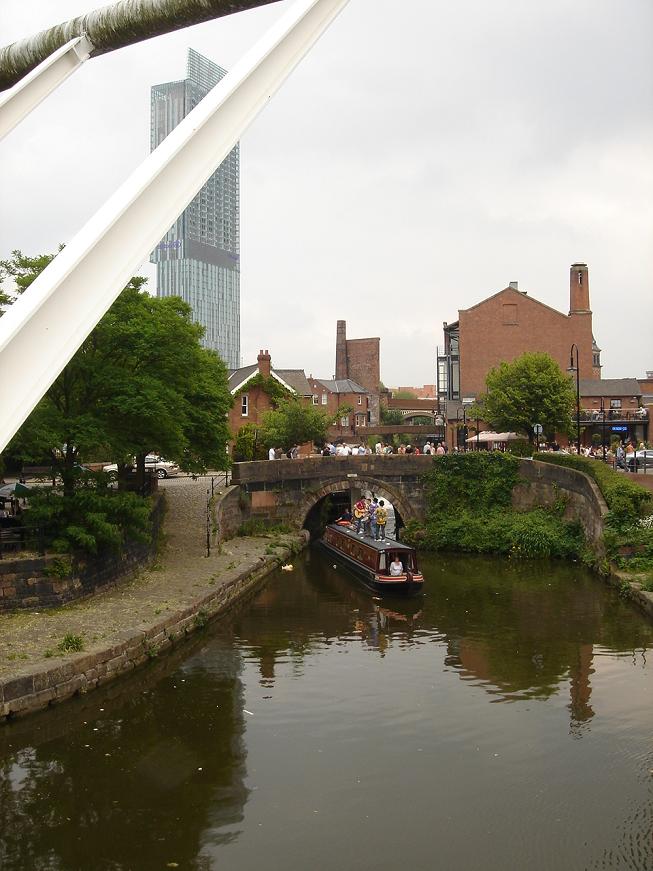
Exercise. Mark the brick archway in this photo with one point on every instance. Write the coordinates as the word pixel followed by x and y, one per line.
pixel 379 488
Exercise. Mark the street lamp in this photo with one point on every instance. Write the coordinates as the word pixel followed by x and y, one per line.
pixel 602 410
pixel 464 411
pixel 576 369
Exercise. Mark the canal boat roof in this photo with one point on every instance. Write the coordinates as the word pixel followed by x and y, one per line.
pixel 388 544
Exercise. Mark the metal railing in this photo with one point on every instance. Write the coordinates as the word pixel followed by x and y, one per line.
pixel 17 539
pixel 613 414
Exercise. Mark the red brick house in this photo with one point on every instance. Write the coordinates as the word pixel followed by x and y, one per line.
pixel 253 397
pixel 346 394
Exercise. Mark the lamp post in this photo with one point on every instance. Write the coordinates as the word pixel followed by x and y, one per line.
pixel 576 369
pixel 602 410
pixel 464 411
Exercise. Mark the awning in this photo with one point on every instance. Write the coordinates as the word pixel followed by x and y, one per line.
pixel 488 437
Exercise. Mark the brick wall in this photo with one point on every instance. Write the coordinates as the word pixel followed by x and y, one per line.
pixel 510 324
pixel 35 582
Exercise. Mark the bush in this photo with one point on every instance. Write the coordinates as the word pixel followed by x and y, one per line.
pixel 470 510
pixel 520 448
pixel 482 479
pixel 627 501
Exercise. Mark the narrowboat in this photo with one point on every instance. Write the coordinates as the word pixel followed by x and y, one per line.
pixel 371 559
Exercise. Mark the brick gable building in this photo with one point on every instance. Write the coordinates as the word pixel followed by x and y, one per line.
pixel 510 323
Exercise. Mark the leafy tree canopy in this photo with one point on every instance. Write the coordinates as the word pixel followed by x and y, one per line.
pixel 293 423
pixel 403 394
pixel 529 390
pixel 140 382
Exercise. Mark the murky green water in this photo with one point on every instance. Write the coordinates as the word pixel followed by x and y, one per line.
pixel 505 721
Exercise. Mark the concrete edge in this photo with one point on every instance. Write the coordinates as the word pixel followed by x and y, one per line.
pixel 31 690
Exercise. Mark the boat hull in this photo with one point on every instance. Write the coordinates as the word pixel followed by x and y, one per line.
pixel 378 583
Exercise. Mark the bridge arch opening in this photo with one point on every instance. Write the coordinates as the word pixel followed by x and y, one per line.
pixel 329 502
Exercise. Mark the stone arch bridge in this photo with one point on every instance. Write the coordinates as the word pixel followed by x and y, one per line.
pixel 286 491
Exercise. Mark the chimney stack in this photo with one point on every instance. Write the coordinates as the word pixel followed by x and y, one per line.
pixel 579 288
pixel 514 285
pixel 264 363
pixel 341 351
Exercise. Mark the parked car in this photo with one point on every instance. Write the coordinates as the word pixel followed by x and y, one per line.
pixel 640 460
pixel 153 462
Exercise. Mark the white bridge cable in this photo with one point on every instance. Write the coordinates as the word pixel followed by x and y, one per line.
pixel 43 328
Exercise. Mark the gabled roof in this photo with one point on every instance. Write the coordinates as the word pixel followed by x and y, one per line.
pixel 240 376
pixel 344 385
pixel 520 294
pixel 610 387
pixel 296 378
pixel 292 379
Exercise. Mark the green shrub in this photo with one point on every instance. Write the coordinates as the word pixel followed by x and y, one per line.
pixel 520 448
pixel 483 479
pixel 626 500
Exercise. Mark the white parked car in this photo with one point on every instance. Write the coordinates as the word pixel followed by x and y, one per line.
pixel 163 468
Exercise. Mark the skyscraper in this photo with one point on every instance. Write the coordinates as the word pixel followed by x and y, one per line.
pixel 199 257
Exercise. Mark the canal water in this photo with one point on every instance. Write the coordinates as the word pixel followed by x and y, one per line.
pixel 503 721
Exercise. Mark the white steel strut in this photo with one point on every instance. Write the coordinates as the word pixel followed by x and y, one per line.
pixel 44 327
pixel 18 102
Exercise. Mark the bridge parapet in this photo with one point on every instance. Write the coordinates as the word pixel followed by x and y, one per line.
pixel 286 490
pixel 317 467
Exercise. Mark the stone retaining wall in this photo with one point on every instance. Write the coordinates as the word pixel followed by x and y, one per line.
pixel 24 693
pixel 543 484
pixel 45 582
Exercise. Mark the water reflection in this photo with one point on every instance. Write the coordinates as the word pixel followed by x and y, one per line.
pixel 140 784
pixel 492 677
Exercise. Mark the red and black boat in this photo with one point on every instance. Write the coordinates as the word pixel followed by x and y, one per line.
pixel 371 560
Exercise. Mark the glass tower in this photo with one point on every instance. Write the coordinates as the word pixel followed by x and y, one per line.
pixel 199 257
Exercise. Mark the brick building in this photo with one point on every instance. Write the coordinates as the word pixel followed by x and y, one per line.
pixel 508 324
pixel 346 394
pixel 252 399
pixel 426 391
pixel 359 360
pixel 646 388
pixel 613 408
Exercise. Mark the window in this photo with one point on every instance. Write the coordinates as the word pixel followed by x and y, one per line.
pixel 360 419
pixel 244 405
pixel 360 399
pixel 344 420
pixel 324 399
pixel 316 401
pixel 615 403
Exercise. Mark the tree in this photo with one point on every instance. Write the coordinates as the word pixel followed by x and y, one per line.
pixel 140 382
pixel 403 394
pixel 531 389
pixel 293 423
pixel 391 416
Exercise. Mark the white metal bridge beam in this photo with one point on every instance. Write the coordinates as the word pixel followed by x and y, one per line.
pixel 44 327
pixel 19 101
pixel 115 26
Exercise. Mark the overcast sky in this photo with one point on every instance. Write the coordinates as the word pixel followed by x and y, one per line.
pixel 415 163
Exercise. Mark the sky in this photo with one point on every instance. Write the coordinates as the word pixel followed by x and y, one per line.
pixel 421 157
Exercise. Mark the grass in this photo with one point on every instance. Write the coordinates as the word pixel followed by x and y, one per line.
pixel 71 643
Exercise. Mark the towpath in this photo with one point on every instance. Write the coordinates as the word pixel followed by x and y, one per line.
pixel 180 584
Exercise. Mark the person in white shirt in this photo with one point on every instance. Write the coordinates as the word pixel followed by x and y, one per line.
pixel 396 567
pixel 272 454
pixel 378 448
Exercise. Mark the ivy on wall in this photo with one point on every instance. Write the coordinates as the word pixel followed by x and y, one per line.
pixel 276 391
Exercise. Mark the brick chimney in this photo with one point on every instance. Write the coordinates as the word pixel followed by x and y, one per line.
pixel 579 288
pixel 264 363
pixel 341 351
